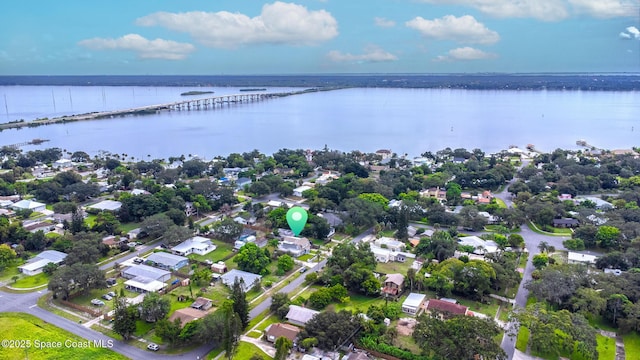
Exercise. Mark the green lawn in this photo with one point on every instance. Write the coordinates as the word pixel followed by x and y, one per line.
pixel 268 321
pixel 27 282
pixel 222 250
pixel 11 271
pixel 489 309
pixel 247 350
pixel 599 322
pixel 606 348
pixel 142 327
pixel 306 257
pixel 19 326
pixel 523 339
pixel 631 344
pixel 126 227
pixel 393 267
pixel 501 203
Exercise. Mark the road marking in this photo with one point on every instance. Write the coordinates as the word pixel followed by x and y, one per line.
pixel 40 292
pixel 32 306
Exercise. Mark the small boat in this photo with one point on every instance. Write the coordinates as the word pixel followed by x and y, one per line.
pixel 254 89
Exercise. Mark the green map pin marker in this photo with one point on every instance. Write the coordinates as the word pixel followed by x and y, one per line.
pixel 297 218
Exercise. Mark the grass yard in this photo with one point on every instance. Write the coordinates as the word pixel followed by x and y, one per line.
pixel 27 282
pixel 489 309
pixel 268 321
pixel 606 347
pixel 11 271
pixel 142 327
pixel 126 227
pixel 19 326
pixel 501 203
pixel 599 322
pixel 247 350
pixel 631 344
pixel 306 257
pixel 393 267
pixel 523 339
pixel 222 250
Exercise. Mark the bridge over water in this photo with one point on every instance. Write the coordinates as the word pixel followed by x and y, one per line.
pixel 210 103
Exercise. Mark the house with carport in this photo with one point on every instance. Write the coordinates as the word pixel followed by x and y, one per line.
pixel 196 245
pixel 167 261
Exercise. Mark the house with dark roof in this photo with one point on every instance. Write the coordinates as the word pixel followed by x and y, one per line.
pixel 566 223
pixel 202 304
pixel 446 309
pixel 274 331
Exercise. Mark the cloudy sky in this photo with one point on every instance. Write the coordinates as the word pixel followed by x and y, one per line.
pixel 43 37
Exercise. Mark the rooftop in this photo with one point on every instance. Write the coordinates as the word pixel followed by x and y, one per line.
pixel 166 258
pixel 414 300
pixel 300 314
pixel 106 205
pixel 145 271
pixel 446 306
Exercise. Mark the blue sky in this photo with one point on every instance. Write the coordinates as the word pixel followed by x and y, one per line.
pixel 163 37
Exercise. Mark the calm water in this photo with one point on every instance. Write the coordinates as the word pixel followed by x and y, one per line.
pixel 404 120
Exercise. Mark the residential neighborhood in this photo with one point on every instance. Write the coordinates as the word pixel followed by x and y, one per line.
pixel 392 249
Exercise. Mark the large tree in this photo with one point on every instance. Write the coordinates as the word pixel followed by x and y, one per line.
pixel 460 337
pixel 331 329
pixel 240 303
pixel 227 230
pixel 124 317
pixel 253 259
pixel 154 307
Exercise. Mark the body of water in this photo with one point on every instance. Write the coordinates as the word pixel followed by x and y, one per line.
pixel 404 120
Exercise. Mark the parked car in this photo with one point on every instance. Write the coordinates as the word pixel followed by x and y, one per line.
pixel 107 297
pixel 97 302
pixel 208 262
pixel 112 293
pixel 153 347
pixel 138 261
pixel 303 269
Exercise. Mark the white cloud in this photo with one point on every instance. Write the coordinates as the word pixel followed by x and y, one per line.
pixel 465 53
pixel 464 29
pixel 606 8
pixel 371 54
pixel 382 22
pixel 631 32
pixel 547 10
pixel 278 23
pixel 144 48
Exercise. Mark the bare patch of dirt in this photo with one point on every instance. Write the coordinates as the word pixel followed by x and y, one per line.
pixel 405 326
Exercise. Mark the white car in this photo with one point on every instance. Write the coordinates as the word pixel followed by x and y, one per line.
pixel 153 347
pixel 97 302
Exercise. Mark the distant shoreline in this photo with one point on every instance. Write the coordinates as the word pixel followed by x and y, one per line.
pixel 564 82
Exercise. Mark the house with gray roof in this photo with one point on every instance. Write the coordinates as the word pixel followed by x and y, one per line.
pixel 295 246
pixel 147 272
pixel 167 261
pixel 248 279
pixel 299 315
pixel 34 266
pixel 109 205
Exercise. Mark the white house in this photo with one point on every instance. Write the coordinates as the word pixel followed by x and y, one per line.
pixel 296 246
pixel 249 280
pixel 195 245
pixel 414 304
pixel 389 243
pixel 109 205
pixel 578 258
pixel 300 189
pixel 481 246
pixel 35 265
pixel 62 164
pixel 28 205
